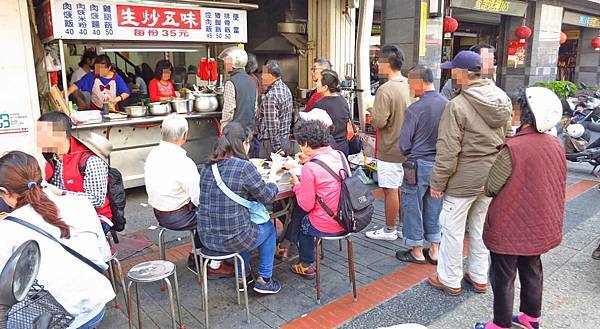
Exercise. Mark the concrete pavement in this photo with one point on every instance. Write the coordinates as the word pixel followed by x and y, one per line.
pixel 390 292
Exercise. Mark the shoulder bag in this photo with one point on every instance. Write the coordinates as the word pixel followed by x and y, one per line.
pixel 49 236
pixel 258 211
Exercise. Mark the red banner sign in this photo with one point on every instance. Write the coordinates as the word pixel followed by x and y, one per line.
pixel 157 17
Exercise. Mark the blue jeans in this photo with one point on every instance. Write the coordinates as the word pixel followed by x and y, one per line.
pixel 421 212
pixel 93 323
pixel 105 228
pixel 265 245
pixel 307 240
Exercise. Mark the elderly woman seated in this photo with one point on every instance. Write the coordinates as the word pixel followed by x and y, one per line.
pixel 316 187
pixel 224 225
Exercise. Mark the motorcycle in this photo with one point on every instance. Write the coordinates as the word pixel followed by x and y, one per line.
pixel 578 148
pixel 584 108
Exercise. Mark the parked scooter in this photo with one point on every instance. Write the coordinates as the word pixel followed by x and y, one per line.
pixel 578 148
pixel 584 108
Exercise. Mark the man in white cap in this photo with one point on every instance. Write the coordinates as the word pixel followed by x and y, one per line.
pixel 239 96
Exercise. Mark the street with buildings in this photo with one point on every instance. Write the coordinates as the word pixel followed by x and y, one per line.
pixel 152 151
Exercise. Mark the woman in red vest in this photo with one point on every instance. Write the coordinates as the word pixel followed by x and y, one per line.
pixel 525 218
pixel 71 167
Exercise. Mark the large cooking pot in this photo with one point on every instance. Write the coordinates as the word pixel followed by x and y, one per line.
pixel 159 108
pixel 179 105
pixel 136 111
pixel 205 102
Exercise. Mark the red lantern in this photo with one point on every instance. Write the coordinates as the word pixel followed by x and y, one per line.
pixel 450 24
pixel 563 37
pixel 523 32
pixel 596 43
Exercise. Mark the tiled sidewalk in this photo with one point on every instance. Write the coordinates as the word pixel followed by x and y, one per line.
pixel 380 277
pixel 374 260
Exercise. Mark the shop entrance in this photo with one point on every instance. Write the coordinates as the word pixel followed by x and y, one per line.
pixel 567 54
pixel 474 27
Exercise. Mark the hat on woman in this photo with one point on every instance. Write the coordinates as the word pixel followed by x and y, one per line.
pixel 99 145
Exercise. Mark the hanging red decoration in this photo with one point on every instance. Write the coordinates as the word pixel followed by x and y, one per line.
pixel 450 24
pixel 523 32
pixel 563 37
pixel 596 43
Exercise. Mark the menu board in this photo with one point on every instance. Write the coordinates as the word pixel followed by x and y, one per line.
pixel 104 20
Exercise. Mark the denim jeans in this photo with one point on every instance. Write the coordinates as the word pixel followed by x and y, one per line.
pixel 94 322
pixel 421 211
pixel 307 240
pixel 265 245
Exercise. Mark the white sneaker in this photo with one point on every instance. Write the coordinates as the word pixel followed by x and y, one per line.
pixel 399 234
pixel 380 234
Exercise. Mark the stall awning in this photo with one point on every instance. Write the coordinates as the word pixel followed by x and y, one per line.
pixel 163 21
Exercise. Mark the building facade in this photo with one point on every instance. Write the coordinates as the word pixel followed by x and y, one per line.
pixel 520 62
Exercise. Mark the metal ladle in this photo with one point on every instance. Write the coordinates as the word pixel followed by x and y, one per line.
pixel 17 277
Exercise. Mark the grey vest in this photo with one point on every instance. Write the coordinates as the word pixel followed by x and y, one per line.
pixel 245 98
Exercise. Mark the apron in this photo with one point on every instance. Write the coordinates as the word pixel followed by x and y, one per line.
pixel 103 93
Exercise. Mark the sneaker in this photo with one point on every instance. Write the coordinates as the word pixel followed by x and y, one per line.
pixel 380 234
pixel 263 287
pixel 308 273
pixel 526 322
pixel 249 281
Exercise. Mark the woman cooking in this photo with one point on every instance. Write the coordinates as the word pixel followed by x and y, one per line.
pixel 161 87
pixel 104 85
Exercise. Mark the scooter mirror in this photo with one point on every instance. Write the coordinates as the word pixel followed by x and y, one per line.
pixel 19 274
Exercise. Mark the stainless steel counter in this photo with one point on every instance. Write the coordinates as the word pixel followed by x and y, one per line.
pixel 144 120
pixel 134 138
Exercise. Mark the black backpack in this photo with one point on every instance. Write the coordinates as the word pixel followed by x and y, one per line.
pixel 115 192
pixel 355 208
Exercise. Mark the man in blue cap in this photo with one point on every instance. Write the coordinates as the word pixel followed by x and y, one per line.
pixel 474 123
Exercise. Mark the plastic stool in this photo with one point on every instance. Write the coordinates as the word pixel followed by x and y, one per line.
pixel 207 255
pixel 153 271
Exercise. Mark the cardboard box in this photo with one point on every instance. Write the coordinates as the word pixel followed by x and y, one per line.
pixel 58 100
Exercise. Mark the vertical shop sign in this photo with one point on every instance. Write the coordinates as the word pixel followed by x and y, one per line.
pixel 423 30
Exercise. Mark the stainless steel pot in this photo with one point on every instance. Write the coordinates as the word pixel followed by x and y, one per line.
pixel 159 108
pixel 179 106
pixel 136 111
pixel 205 102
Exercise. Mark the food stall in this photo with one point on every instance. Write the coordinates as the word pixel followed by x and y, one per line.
pixel 168 28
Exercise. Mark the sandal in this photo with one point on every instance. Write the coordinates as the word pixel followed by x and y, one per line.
pixel 428 257
pixel 282 253
pixel 308 273
pixel 407 256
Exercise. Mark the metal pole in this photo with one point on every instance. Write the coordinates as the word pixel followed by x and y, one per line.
pixel 363 68
pixel 63 69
